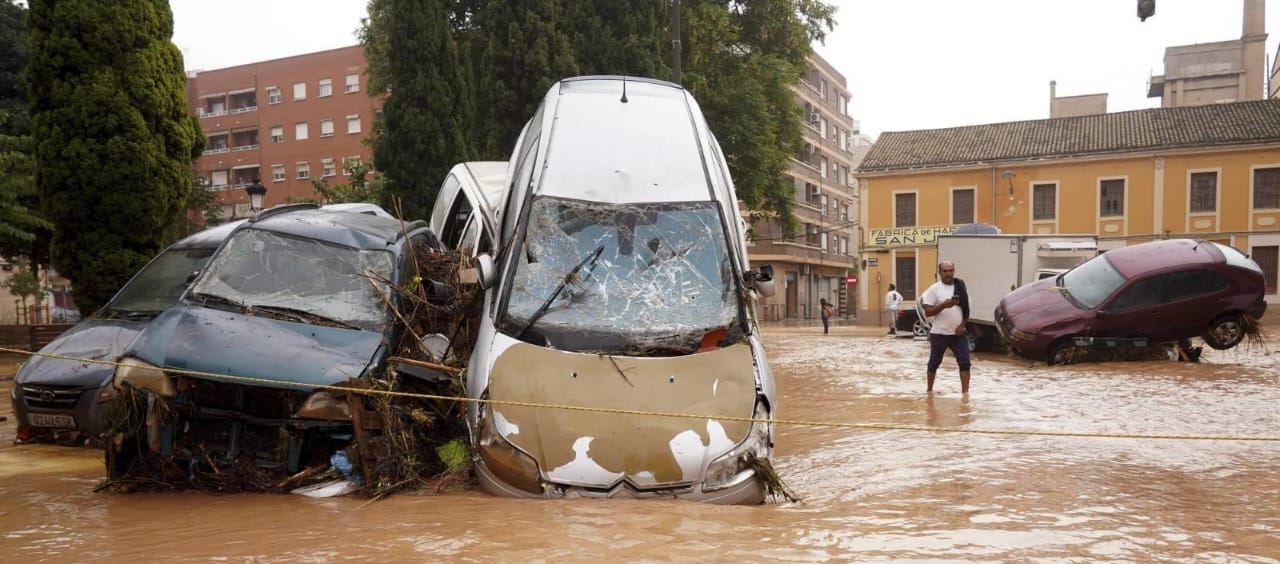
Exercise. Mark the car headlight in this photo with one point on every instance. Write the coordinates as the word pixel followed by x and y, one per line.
pixel 504 460
pixel 734 467
pixel 143 375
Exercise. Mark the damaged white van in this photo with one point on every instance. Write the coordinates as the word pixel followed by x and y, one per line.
pixel 619 283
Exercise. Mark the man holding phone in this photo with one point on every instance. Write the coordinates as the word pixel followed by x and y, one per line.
pixel 947 303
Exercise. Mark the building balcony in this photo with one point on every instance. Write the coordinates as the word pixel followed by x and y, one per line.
pixel 203 113
pixel 252 147
pixel 217 150
pixel 244 109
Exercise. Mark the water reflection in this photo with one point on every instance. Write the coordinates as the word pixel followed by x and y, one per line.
pixel 868 495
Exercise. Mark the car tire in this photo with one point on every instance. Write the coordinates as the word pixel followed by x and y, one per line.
pixel 1061 352
pixel 919 329
pixel 1224 332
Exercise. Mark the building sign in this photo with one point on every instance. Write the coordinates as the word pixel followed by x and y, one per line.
pixel 905 236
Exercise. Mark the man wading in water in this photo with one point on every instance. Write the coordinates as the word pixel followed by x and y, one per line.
pixel 940 303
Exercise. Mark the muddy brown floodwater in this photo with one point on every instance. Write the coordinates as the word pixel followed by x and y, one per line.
pixel 868 495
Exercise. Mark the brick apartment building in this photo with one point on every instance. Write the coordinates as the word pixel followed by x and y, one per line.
pixel 284 121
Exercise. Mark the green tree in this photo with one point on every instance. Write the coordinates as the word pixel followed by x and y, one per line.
pixel 741 60
pixel 426 117
pixel 359 189
pixel 620 38
pixel 113 139
pixel 25 284
pixel 526 51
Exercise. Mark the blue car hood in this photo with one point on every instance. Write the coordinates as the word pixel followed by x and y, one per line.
pixel 93 338
pixel 282 352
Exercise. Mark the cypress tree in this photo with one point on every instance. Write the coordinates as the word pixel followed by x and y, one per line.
pixel 425 120
pixel 113 139
pixel 620 38
pixel 526 50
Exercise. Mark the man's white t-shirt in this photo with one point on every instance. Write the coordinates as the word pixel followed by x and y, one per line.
pixel 893 299
pixel 947 320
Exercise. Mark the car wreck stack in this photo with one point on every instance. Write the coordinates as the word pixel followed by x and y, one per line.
pixel 403 429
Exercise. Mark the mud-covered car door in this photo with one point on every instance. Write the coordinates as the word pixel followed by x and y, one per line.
pixel 1137 310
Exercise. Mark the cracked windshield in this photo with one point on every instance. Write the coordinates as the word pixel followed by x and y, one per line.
pixel 647 280
pixel 657 274
pixel 278 273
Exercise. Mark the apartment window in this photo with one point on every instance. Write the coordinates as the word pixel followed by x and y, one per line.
pixel 1266 188
pixel 273 95
pixel 1044 202
pixel 962 206
pixel 300 131
pixel 327 168
pixel 277 173
pixel 353 83
pixel 304 170
pixel 822 166
pixel 326 87
pixel 218 178
pixel 299 91
pixel 904 210
pixel 1111 203
pixel 1267 258
pixel 277 134
pixel 348 163
pixel 1204 192
pixel 904 270
pixel 353 124
pixel 326 128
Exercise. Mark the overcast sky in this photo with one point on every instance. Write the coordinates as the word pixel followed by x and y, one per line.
pixel 910 64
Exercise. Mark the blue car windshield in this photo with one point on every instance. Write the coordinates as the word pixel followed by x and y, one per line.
pixel 646 270
pixel 159 284
pixel 260 268
pixel 1092 282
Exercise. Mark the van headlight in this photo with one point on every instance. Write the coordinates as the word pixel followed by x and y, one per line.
pixel 504 460
pixel 145 375
pixel 734 467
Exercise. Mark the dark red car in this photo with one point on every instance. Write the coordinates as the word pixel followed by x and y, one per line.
pixel 1147 294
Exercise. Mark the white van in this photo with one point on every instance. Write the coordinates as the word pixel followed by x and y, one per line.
pixel 618 283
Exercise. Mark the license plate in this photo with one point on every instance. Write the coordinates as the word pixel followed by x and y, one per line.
pixel 51 420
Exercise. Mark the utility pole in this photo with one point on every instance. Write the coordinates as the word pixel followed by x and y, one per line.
pixel 675 41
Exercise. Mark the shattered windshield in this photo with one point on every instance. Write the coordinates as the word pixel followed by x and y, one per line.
pixel 1090 283
pixel 648 276
pixel 312 280
pixel 159 284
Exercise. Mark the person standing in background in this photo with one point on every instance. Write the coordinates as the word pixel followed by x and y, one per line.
pixel 827 310
pixel 893 300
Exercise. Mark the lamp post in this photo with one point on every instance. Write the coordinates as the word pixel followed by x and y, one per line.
pixel 257 192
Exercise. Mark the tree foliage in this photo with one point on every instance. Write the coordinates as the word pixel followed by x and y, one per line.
pixel 742 60
pixel 113 137
pixel 526 50
pixel 359 189
pixel 620 38
pixel 424 124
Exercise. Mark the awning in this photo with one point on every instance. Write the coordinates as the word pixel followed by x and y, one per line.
pixel 244 129
pixel 216 133
pixel 242 167
pixel 241 91
pixel 1083 249
pixel 214 95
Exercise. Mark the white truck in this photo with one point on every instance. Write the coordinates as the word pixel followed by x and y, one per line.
pixel 993 265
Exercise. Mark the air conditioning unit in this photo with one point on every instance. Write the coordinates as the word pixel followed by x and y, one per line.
pixel 813 117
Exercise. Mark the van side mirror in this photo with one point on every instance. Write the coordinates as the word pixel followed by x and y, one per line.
pixel 762 281
pixel 487 270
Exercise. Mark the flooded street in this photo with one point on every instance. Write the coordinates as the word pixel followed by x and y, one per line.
pixel 868 494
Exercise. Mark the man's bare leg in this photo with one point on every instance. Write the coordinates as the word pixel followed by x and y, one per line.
pixel 964 382
pixel 929 388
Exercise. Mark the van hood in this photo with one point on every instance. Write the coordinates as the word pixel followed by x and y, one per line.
pixel 601 449
pixel 95 339
pixel 197 338
pixel 1038 305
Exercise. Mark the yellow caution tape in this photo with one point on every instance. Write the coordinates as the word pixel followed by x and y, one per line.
pixel 795 422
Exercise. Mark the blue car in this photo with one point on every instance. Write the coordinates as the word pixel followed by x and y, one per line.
pixel 56 399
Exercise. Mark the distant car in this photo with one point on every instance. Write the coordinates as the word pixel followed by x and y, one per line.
pixel 297 298
pixel 53 397
pixel 1159 292
pixel 910 322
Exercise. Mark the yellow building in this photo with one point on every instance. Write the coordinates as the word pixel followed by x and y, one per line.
pixel 1209 172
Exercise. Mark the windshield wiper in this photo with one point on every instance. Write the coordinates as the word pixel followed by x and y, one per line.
pixel 592 257
pixel 215 300
pixel 302 316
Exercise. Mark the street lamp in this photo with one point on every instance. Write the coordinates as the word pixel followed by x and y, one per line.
pixel 256 192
